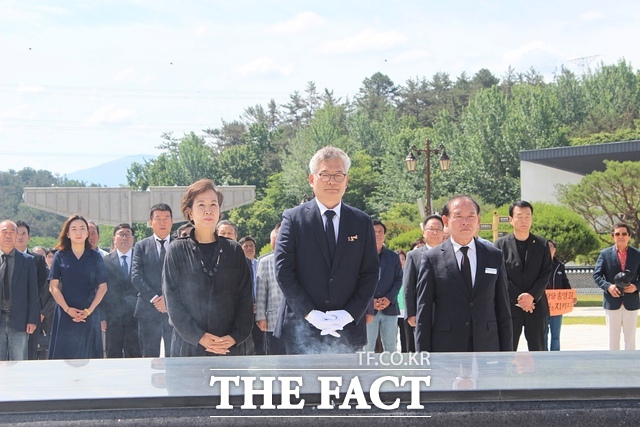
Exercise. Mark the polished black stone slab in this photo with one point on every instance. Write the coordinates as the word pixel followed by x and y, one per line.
pixel 482 383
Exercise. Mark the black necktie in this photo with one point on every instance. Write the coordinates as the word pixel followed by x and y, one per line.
pixel 465 267
pixel 331 233
pixel 4 279
pixel 125 267
pixel 163 251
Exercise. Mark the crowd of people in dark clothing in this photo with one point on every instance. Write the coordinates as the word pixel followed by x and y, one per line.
pixel 328 285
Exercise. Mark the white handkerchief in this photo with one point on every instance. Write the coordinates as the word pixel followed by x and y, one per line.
pixel 491 270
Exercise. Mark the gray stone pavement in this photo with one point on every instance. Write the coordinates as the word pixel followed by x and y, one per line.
pixel 583 337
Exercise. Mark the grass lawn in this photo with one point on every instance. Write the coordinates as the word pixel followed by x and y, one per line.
pixel 592 320
pixel 589 301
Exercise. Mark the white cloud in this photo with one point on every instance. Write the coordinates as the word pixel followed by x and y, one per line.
pixel 19 112
pixel 201 30
pixel 365 41
pixel 124 75
pixel 264 66
pixel 412 55
pixel 534 47
pixel 30 89
pixel 301 22
pixel 110 114
pixel 591 16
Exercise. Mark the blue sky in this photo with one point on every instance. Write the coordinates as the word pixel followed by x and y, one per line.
pixel 86 82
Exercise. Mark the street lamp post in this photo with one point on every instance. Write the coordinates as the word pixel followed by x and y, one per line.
pixel 412 162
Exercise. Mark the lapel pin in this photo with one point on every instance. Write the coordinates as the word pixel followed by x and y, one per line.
pixel 352 238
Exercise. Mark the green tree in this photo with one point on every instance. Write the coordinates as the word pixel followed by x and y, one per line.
pixel 612 93
pixel 377 94
pixel 183 163
pixel 12 184
pixel 571 233
pixel 604 198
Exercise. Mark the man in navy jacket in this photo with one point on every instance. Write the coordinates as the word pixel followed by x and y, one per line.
pixel 382 315
pixel 326 265
pixel 620 305
pixel 19 312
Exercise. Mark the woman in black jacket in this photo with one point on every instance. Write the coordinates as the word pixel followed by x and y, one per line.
pixel 206 282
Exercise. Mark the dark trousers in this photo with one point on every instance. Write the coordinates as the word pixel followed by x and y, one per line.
pixel 258 339
pixel 122 337
pixel 407 337
pixel 32 345
pixel 151 329
pixel 534 330
pixel 274 346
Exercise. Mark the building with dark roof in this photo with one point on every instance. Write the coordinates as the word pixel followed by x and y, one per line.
pixel 542 170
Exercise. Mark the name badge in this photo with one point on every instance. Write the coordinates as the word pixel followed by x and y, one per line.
pixel 491 270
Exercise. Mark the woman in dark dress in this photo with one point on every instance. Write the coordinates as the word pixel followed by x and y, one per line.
pixel 206 282
pixel 78 282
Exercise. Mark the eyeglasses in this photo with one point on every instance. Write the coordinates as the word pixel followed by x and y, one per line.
pixel 623 234
pixel 433 230
pixel 337 177
pixel 124 235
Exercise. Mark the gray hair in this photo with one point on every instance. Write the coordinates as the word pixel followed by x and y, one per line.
pixel 327 153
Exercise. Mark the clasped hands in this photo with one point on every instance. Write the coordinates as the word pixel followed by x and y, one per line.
pixel 78 315
pixel 526 302
pixel 329 322
pixel 215 344
pixel 381 303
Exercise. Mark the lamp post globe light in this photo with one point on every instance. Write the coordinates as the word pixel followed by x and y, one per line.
pixel 411 162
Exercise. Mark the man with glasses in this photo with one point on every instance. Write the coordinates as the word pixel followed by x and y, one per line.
pixel 432 232
pixel 326 265
pixel 120 301
pixel 621 302
pixel 462 292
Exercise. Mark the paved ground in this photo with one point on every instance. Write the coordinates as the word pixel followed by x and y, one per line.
pixel 583 337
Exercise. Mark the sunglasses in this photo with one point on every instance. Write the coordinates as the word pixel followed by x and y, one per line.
pixel 623 234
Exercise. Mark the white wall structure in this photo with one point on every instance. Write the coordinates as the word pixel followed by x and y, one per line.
pixel 538 182
pixel 113 206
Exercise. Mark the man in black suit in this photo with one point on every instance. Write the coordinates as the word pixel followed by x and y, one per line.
pixel 146 276
pixel 22 242
pixel 528 262
pixel 462 293
pixel 326 265
pixel 120 301
pixel 432 233
pixel 620 305
pixel 19 313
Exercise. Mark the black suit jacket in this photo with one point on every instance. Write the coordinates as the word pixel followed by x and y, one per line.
pixel 120 299
pixel 308 279
pixel 533 278
pixel 146 276
pixel 607 266
pixel 24 292
pixel 42 273
pixel 449 313
pixel 410 279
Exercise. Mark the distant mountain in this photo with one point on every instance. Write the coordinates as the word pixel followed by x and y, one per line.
pixel 111 174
